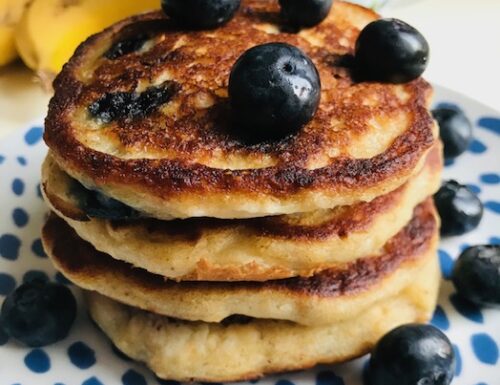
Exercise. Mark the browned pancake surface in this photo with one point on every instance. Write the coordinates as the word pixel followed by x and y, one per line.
pixel 186 146
pixel 80 258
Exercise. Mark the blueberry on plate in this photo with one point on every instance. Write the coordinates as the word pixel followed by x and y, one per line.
pixel 412 354
pixel 274 90
pixel 38 313
pixel 459 208
pixel 305 13
pixel 389 50
pixel 200 14
pixel 455 131
pixel 476 275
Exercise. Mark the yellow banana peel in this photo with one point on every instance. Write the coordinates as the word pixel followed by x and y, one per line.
pixel 10 13
pixel 50 30
pixel 7 45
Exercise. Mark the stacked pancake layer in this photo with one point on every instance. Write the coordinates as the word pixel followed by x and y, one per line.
pixel 234 261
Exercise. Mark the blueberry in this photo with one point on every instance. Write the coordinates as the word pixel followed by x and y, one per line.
pixel 455 131
pixel 412 354
pixel 459 208
pixel 389 50
pixel 126 46
pixel 200 14
pixel 476 275
pixel 38 313
pixel 274 90
pixel 305 13
pixel 98 205
pixel 110 106
pixel 131 105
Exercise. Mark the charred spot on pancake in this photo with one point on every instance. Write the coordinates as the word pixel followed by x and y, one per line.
pixel 97 205
pixel 132 105
pixel 126 46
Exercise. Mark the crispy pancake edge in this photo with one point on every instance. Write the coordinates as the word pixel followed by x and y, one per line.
pixel 172 184
pixel 182 238
pixel 143 335
pixel 313 300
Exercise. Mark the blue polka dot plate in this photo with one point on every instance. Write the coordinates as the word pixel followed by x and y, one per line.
pixel 86 357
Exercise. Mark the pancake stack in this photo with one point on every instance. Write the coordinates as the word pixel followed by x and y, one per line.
pixel 214 260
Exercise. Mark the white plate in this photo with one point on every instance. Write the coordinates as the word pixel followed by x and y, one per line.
pixel 87 357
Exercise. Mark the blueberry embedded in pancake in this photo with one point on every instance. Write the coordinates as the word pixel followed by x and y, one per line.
pixel 231 250
pixel 180 160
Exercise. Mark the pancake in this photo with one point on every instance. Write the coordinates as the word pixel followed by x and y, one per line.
pixel 198 351
pixel 177 156
pixel 329 296
pixel 248 249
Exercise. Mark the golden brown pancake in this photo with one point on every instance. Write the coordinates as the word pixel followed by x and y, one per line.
pixel 183 159
pixel 246 249
pixel 329 296
pixel 199 351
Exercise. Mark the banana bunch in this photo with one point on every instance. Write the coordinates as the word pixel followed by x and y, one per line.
pixel 45 33
pixel 10 13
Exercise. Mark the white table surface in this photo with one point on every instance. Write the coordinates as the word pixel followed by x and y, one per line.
pixel 464 36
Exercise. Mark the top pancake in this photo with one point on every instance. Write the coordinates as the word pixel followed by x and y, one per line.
pixel 181 160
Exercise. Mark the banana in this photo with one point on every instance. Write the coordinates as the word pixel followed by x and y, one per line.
pixel 7 45
pixel 50 30
pixel 10 13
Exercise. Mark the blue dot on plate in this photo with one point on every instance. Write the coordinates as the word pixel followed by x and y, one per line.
pixel 22 160
pixel 4 338
pixel 466 309
pixel 81 355
pixel 495 240
pixel 7 283
pixel 33 135
pixel 18 186
pixel 37 361
pixel 493 206
pixel 474 188
pixel 446 263
pixel 92 381
pixel 20 217
pixel 131 377
pixel 328 378
pixel 477 147
pixel 485 348
pixel 490 178
pixel 458 360
pixel 491 124
pixel 9 246
pixel 35 274
pixel 37 248
pixel 440 319
pixel 2 159
pixel 449 162
pixel 464 246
